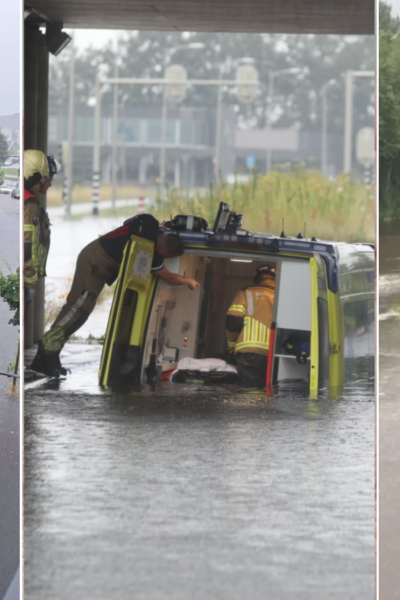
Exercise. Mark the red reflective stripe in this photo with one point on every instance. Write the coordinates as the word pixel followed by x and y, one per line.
pixel 117 232
pixel 27 195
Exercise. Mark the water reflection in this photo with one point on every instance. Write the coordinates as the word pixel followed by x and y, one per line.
pixel 188 491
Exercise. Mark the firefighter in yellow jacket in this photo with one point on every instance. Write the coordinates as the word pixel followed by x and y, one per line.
pixel 39 170
pixel 248 324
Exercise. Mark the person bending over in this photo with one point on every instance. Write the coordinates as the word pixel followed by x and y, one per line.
pixel 98 264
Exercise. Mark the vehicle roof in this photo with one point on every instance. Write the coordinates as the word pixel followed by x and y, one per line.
pixel 331 252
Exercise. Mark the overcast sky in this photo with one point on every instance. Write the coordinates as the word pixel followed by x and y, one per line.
pixel 10 25
pixel 84 38
pixel 396 7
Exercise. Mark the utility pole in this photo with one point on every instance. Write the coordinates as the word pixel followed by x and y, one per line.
pixel 96 150
pixel 115 133
pixel 348 118
pixel 324 126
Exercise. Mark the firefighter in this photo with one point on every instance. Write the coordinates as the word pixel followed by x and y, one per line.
pixel 39 171
pixel 248 323
pixel 98 264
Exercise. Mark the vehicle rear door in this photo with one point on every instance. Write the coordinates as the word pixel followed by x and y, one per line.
pixel 122 353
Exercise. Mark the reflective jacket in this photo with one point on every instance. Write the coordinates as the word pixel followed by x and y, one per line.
pixel 249 318
pixel 36 240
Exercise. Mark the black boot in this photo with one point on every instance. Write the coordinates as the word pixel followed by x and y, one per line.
pixel 48 364
pixel 55 360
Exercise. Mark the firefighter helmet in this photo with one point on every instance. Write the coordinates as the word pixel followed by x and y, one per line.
pixel 263 272
pixel 35 163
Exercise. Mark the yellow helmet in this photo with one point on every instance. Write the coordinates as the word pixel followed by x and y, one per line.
pixel 35 162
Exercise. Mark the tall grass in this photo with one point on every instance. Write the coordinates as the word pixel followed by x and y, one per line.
pixel 339 209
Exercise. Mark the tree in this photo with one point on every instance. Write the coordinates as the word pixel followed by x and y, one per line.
pixel 3 147
pixel 296 102
pixel 389 113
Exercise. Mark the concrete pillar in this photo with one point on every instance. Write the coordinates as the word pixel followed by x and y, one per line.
pixel 36 78
pixel 30 86
pixel 30 130
pixel 42 136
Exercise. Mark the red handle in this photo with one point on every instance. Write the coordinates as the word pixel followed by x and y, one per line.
pixel 270 354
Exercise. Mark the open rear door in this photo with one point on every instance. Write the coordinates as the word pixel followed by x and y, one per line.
pixel 122 352
pixel 319 342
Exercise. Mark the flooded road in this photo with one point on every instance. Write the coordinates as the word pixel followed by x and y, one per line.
pixel 188 491
pixel 389 410
pixel 9 404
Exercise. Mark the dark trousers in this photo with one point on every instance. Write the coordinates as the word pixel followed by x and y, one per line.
pixel 252 368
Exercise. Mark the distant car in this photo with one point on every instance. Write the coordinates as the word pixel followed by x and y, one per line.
pixel 10 160
pixel 15 193
pixel 6 188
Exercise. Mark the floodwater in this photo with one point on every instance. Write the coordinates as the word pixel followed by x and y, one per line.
pixel 389 410
pixel 9 404
pixel 188 491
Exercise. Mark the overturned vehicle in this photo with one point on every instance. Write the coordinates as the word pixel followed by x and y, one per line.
pixel 323 309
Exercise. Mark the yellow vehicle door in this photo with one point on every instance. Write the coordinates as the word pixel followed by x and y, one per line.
pixel 122 352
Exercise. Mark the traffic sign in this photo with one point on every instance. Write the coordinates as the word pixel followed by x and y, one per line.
pixel 176 92
pixel 247 78
pixel 365 146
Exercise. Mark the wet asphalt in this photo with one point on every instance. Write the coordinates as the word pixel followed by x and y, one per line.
pixel 9 405
pixel 188 491
pixel 389 412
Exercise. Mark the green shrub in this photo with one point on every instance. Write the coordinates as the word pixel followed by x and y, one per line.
pixel 9 291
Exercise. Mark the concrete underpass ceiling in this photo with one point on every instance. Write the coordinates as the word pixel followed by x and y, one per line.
pixel 248 16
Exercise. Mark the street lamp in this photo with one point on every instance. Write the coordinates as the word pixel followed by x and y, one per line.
pixel 247 62
pixel 324 121
pixel 191 46
pixel 271 78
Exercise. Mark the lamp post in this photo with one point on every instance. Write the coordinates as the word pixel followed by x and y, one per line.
pixel 115 132
pixel 191 46
pixel 348 118
pixel 271 79
pixel 70 158
pixel 324 121
pixel 218 128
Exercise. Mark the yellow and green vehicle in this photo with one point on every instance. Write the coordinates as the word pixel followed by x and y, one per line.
pixel 324 299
